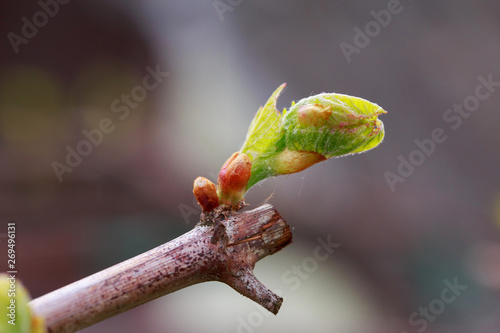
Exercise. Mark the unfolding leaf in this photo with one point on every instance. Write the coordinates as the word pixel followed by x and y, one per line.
pixel 313 130
pixel 333 125
pixel 264 130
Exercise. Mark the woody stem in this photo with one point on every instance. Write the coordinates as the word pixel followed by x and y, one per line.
pixel 222 248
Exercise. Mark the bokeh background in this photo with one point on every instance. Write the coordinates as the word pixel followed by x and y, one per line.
pixel 224 58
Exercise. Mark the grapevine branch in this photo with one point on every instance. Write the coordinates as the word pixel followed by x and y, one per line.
pixel 225 245
pixel 221 248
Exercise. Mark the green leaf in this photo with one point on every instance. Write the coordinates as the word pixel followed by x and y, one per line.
pixel 264 130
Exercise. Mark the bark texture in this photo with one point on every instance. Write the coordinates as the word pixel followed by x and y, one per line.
pixel 223 247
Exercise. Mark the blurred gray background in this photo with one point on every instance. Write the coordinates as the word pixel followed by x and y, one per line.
pixel 398 244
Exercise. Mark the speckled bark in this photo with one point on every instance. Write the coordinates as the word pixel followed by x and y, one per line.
pixel 222 248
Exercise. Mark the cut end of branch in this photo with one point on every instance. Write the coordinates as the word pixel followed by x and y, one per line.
pixel 252 236
pixel 248 285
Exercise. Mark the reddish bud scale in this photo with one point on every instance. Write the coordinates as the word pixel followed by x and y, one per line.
pixel 205 193
pixel 233 178
pixel 291 161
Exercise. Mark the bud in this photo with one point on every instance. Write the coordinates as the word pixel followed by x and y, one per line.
pixel 333 125
pixel 291 161
pixel 206 194
pixel 313 130
pixel 233 179
pixel 314 115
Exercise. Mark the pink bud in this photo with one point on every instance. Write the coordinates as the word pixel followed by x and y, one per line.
pixel 233 179
pixel 206 194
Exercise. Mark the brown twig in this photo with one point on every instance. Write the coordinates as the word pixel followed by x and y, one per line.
pixel 221 248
